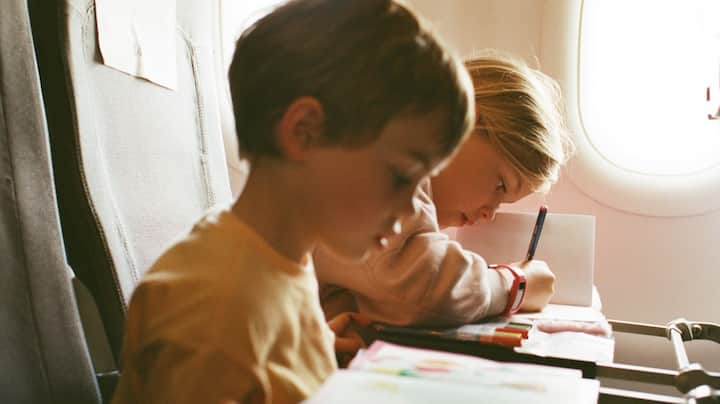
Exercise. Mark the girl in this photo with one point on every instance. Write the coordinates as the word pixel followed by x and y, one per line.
pixel 424 278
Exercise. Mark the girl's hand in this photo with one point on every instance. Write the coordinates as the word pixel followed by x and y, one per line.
pixel 348 339
pixel 540 285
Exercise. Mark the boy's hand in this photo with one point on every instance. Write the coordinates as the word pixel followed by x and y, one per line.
pixel 348 340
pixel 540 285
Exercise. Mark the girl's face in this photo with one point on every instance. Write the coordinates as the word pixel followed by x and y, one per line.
pixel 363 193
pixel 475 183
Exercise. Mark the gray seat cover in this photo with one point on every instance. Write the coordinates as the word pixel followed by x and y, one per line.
pixel 135 163
pixel 43 356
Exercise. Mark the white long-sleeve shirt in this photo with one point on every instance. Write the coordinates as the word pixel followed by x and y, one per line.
pixel 422 278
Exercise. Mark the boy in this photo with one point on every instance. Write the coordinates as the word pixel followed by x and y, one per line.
pixel 424 278
pixel 342 124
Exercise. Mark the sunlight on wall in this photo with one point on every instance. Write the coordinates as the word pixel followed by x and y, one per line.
pixel 238 15
pixel 235 17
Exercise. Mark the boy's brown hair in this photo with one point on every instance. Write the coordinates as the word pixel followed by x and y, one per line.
pixel 520 110
pixel 366 61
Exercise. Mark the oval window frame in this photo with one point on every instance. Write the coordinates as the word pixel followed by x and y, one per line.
pixel 603 181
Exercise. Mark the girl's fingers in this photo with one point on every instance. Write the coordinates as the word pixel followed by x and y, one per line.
pixel 342 321
pixel 349 344
pixel 361 319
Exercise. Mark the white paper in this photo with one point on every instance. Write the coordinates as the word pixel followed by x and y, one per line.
pixel 413 375
pixel 570 345
pixel 418 362
pixel 138 37
pixel 562 312
pixel 567 244
pixel 388 373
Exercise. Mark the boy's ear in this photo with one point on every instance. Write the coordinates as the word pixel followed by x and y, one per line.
pixel 300 127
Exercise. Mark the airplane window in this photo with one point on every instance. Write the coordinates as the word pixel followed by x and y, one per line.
pixel 649 83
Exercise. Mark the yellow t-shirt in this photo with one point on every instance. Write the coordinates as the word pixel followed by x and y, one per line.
pixel 223 316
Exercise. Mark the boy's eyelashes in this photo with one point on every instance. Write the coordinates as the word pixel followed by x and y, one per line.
pixel 400 180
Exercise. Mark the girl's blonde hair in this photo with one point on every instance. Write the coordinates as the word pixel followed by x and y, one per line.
pixel 520 110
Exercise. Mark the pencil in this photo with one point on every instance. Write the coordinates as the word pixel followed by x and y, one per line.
pixel 536 233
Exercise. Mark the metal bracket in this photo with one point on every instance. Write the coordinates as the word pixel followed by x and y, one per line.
pixel 691 330
pixel 692 375
pixel 698 385
pixel 703 395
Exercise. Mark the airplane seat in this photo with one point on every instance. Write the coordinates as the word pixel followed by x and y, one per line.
pixel 44 357
pixel 135 163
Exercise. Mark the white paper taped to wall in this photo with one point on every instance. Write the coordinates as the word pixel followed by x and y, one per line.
pixel 567 244
pixel 137 37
